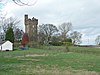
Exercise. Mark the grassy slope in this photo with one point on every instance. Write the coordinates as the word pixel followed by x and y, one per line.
pixel 55 61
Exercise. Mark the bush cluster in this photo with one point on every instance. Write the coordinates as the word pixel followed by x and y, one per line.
pixel 56 43
pixel 60 43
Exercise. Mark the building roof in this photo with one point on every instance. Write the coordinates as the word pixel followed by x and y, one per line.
pixel 1 42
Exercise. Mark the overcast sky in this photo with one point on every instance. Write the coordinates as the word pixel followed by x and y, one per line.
pixel 83 14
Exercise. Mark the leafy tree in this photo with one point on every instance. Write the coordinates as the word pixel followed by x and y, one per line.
pixel 69 40
pixel 25 39
pixel 97 40
pixel 47 30
pixel 64 29
pixel 9 35
pixel 76 37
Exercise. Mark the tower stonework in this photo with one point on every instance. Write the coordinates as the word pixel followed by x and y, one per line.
pixel 31 28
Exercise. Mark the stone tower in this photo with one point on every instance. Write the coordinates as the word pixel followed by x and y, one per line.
pixel 31 28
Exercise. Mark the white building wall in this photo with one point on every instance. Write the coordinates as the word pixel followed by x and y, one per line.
pixel 7 46
pixel 0 48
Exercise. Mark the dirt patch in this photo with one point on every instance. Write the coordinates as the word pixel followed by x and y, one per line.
pixel 31 55
pixel 19 56
pixel 36 55
pixel 31 59
pixel 64 72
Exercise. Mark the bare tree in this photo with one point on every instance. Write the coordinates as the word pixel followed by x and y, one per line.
pixel 25 2
pixel 21 2
pixel 97 40
pixel 41 38
pixel 47 30
pixel 2 36
pixel 10 22
pixel 64 29
pixel 76 37
pixel 18 34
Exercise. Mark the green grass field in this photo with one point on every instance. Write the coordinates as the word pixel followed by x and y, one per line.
pixel 51 61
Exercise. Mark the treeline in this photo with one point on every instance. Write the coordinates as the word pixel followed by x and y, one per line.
pixel 48 34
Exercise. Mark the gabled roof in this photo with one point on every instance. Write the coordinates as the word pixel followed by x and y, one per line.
pixel 2 42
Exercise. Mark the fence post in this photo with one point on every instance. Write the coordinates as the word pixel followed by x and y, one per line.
pixel 24 54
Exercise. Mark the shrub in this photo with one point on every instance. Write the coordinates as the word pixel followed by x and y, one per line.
pixel 56 43
pixel 67 43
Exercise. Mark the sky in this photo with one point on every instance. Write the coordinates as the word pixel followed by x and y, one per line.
pixel 83 14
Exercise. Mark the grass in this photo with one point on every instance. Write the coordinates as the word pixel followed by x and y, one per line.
pixel 51 61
